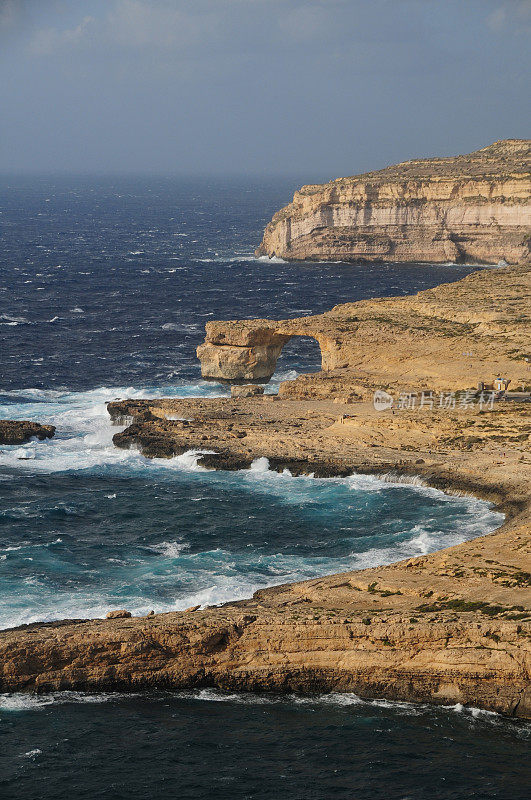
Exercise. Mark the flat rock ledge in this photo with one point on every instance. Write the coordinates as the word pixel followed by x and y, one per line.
pixel 21 431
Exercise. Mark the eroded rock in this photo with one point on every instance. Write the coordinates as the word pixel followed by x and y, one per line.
pixel 21 431
pixel 246 390
pixel 120 613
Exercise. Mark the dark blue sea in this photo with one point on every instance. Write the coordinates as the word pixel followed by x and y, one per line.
pixel 105 287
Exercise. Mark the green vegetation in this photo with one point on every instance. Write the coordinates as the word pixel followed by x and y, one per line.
pixel 469 605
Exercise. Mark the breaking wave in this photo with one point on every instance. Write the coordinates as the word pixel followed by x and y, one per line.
pixel 206 545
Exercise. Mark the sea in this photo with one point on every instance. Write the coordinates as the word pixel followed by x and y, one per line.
pixel 105 287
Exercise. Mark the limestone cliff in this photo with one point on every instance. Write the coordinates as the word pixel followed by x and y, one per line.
pixel 470 208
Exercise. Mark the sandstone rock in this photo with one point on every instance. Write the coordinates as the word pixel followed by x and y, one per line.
pixel 193 608
pixel 233 363
pixel 467 208
pixel 246 390
pixel 118 614
pixel 19 432
pixel 402 343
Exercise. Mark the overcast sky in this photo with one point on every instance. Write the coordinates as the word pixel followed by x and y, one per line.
pixel 258 87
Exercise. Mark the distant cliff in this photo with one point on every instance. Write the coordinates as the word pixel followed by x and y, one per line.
pixel 471 208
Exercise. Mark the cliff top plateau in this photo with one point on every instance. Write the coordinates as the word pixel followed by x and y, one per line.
pixel 508 157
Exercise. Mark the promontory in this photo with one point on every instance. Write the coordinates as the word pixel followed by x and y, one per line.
pixel 471 208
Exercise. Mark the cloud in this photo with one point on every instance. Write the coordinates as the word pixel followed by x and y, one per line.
pixel 47 41
pixel 135 23
pixel 128 24
pixel 514 13
pixel 9 12
pixel 179 25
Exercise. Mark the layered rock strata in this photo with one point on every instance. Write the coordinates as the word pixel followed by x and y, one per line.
pixel 472 208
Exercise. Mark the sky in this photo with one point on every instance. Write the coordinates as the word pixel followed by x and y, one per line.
pixel 316 88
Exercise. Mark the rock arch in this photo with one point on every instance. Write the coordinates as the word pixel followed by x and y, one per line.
pixel 247 351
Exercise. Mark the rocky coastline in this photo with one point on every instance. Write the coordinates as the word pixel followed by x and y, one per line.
pixel 449 627
pixel 471 208
pixel 21 431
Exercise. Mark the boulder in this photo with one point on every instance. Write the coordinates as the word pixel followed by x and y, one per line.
pixel 21 431
pixel 246 390
pixel 118 614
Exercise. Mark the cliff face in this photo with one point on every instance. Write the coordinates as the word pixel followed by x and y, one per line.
pixel 473 208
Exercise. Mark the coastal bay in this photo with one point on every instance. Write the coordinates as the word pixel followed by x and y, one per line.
pixel 448 627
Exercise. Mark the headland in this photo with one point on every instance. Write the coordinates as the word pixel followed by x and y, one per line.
pixel 471 208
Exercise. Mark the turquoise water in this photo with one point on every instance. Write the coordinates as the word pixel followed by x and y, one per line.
pixel 85 527
pixel 104 289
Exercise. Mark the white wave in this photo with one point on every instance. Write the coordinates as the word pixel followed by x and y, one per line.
pixel 186 461
pixel 32 753
pixel 425 541
pixel 351 700
pixel 288 375
pixel 229 259
pixel 182 327
pixel 77 310
pixel 402 480
pixel 21 701
pixel 18 702
pixel 8 319
pixel 170 549
pixel 84 431
pixel 333 699
pixel 26 453
pixel 260 465
pixel 272 260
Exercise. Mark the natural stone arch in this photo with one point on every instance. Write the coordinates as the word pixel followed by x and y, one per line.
pixel 302 354
pixel 246 352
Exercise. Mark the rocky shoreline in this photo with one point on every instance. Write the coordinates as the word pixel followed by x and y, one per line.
pixel 449 627
pixel 21 431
